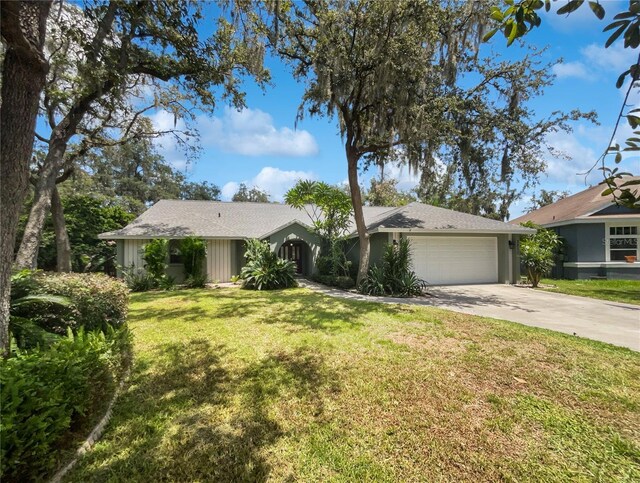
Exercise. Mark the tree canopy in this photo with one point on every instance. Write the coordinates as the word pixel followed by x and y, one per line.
pixel 253 194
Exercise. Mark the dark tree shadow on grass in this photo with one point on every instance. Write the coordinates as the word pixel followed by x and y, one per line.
pixel 188 415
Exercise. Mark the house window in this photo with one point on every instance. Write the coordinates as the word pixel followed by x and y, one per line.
pixel 623 242
pixel 175 256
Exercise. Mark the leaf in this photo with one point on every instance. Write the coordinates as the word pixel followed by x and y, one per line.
pixel 620 80
pixel 634 121
pixel 547 5
pixel 496 14
pixel 488 35
pixel 571 6
pixel 613 25
pixel 615 36
pixel 618 158
pixel 607 192
pixel 597 9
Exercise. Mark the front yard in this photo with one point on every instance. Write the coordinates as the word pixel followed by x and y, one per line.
pixel 233 385
pixel 627 291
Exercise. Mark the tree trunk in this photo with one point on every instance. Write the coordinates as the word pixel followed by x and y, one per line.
pixel 24 70
pixel 28 253
pixel 63 246
pixel 356 201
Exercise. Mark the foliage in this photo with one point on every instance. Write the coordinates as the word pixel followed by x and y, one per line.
pixel 138 279
pixel 194 254
pixel 394 277
pixel 545 198
pixel 155 256
pixel 86 216
pixel 254 194
pixel 344 282
pixel 537 252
pixel 521 16
pixel 384 192
pixel 264 270
pixel 328 207
pixel 33 315
pixel 46 393
pixel 196 281
pixel 98 301
pixel 330 211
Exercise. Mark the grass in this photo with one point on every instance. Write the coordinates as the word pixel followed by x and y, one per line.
pixel 627 291
pixel 233 385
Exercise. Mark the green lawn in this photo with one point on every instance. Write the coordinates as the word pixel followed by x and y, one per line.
pixel 627 291
pixel 233 385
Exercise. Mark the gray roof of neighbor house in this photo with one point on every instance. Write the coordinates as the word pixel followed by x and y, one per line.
pixel 219 219
pixel 584 205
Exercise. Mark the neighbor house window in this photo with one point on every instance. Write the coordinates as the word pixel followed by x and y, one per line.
pixel 623 242
pixel 174 252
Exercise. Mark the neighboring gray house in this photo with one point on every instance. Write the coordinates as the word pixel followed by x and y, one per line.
pixel 600 237
pixel 448 247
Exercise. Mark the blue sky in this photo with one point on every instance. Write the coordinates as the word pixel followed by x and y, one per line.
pixel 261 145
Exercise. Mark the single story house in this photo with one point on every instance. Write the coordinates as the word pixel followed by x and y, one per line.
pixel 448 247
pixel 599 235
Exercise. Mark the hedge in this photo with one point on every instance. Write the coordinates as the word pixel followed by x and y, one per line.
pixel 99 301
pixel 46 393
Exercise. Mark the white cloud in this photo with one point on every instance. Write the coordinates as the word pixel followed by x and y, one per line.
pixel 274 181
pixel 251 132
pixel 167 145
pixel 406 179
pixel 570 158
pixel 615 59
pixel 571 69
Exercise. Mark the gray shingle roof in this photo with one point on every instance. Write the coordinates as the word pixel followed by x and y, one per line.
pixel 419 217
pixel 219 219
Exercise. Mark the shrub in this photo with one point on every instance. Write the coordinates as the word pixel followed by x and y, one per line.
pixel 324 265
pixel 194 253
pixel 344 282
pixel 137 279
pixel 45 393
pixel 537 252
pixel 155 256
pixel 264 270
pixel 395 276
pixel 98 301
pixel 196 281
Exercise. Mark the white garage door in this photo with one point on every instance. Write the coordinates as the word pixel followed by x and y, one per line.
pixel 451 260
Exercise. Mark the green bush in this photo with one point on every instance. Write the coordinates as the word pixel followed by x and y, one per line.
pixel 98 301
pixel 537 252
pixel 194 254
pixel 394 277
pixel 45 393
pixel 155 256
pixel 342 282
pixel 137 279
pixel 196 281
pixel 264 269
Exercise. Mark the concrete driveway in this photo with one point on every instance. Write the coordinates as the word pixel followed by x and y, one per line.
pixel 612 322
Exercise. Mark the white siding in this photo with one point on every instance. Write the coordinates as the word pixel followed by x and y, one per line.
pixel 133 253
pixel 455 260
pixel 220 260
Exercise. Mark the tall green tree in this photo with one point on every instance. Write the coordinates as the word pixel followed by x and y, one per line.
pixel 380 69
pixel 24 69
pixel 254 194
pixel 544 198
pixel 120 43
pixel 384 192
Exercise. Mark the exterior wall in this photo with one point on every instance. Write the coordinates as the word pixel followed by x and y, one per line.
pixel 132 253
pixel 508 258
pixel 221 260
pixel 298 232
pixel 583 242
pixel 586 244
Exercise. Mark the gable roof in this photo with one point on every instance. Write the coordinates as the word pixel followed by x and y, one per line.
pixel 580 206
pixel 220 219
pixel 217 219
pixel 418 217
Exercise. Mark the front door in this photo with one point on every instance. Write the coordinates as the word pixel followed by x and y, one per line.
pixel 292 251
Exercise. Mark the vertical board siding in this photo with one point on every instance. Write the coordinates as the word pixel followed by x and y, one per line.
pixel 133 253
pixel 219 260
